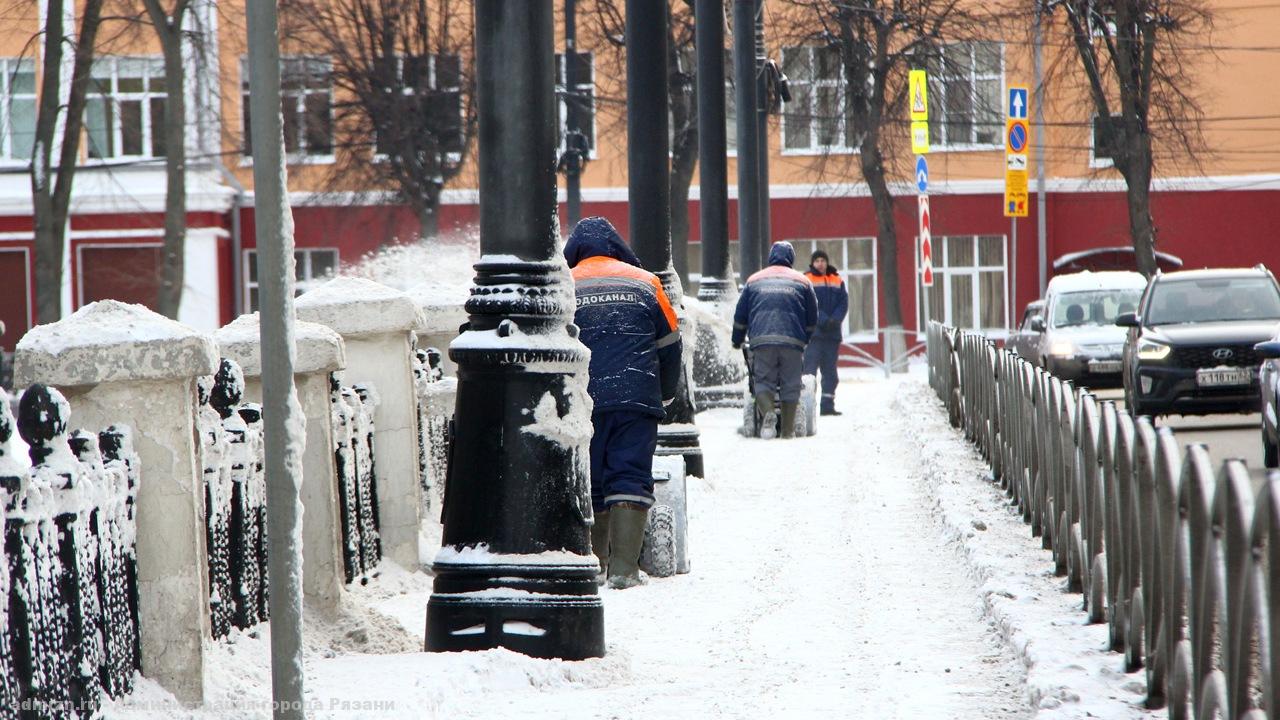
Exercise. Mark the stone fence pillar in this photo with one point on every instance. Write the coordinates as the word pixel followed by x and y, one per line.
pixel 320 352
pixel 123 364
pixel 377 323
pixel 443 314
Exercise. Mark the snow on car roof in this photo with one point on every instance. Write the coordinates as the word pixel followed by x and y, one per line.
pixel 1108 280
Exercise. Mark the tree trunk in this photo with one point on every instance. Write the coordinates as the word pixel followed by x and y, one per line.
pixel 172 264
pixel 1137 176
pixel 683 161
pixel 51 189
pixel 886 230
pixel 684 152
pixel 429 219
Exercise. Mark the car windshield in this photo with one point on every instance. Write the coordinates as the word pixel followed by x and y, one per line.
pixel 1213 300
pixel 1093 307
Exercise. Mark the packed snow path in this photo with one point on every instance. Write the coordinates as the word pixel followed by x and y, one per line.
pixel 823 585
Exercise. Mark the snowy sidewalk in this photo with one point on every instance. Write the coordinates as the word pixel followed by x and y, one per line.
pixel 826 582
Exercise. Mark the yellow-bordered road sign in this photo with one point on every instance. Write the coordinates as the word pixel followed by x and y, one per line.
pixel 919 100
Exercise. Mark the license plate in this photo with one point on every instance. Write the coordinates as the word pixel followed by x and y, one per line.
pixel 1104 366
pixel 1223 377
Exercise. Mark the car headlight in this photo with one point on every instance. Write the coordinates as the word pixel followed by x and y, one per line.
pixel 1149 350
pixel 1062 348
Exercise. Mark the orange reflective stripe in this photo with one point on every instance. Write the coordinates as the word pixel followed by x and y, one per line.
pixel 665 303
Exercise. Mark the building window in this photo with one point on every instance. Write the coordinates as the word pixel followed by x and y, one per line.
pixel 814 120
pixel 124 116
pixel 1102 141
pixel 17 108
pixel 312 266
pixel 968 283
pixel 306 105
pixel 576 90
pixel 966 101
pixel 431 85
pixel 856 259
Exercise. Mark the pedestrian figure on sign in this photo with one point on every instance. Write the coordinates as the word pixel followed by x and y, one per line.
pixel 778 312
pixel 627 321
pixel 823 352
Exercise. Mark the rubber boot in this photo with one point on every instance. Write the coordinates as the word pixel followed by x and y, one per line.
pixel 626 535
pixel 768 418
pixel 789 419
pixel 600 543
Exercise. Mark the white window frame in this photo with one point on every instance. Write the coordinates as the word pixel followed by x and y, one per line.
pixel 561 89
pixel 299 156
pixel 814 147
pixel 302 272
pixel 806 246
pixel 938 99
pixel 153 65
pixel 9 66
pixel 1096 162
pixel 380 157
pixel 942 274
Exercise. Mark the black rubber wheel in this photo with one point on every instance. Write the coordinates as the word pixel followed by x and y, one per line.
pixel 658 553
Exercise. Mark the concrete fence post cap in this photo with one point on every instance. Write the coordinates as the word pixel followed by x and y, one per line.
pixel 356 307
pixel 111 341
pixel 320 348
pixel 443 306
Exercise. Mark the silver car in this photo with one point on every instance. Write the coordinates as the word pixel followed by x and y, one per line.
pixel 1079 340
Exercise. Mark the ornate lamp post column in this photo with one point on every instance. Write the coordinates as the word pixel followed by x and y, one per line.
pixel 744 81
pixel 516 568
pixel 713 209
pixel 649 199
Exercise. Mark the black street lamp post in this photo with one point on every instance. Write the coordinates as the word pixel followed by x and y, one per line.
pixel 713 209
pixel 516 568
pixel 649 197
pixel 745 96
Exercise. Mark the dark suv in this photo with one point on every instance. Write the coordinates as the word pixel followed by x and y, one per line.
pixel 1190 347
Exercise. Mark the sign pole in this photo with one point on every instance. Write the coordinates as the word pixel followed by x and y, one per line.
pixel 1013 290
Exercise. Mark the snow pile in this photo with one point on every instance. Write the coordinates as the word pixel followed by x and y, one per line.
pixel 319 349
pixel 1070 674
pixel 110 341
pixel 357 306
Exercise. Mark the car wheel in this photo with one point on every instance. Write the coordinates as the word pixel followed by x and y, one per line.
pixel 1270 452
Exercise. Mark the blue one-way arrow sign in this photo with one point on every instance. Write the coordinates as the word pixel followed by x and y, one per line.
pixel 1018 103
pixel 922 175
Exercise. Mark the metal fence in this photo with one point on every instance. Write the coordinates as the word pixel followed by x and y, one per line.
pixel 235 501
pixel 353 437
pixel 1177 557
pixel 69 614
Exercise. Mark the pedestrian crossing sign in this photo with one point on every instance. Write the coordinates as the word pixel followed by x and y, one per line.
pixel 919 95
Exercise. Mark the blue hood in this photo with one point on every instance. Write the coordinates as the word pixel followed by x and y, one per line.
pixel 782 254
pixel 595 237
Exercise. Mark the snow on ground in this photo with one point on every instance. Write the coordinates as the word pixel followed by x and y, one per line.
pixel 833 576
pixel 1070 674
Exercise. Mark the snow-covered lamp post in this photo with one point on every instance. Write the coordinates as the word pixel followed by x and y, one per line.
pixel 124 364
pixel 649 199
pixel 320 352
pixel 516 568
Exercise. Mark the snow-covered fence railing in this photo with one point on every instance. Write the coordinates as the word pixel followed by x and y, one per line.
pixel 1181 561
pixel 235 501
pixel 436 395
pixel 353 436
pixel 69 615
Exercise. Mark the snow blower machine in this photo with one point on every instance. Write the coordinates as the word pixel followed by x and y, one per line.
pixel 806 414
